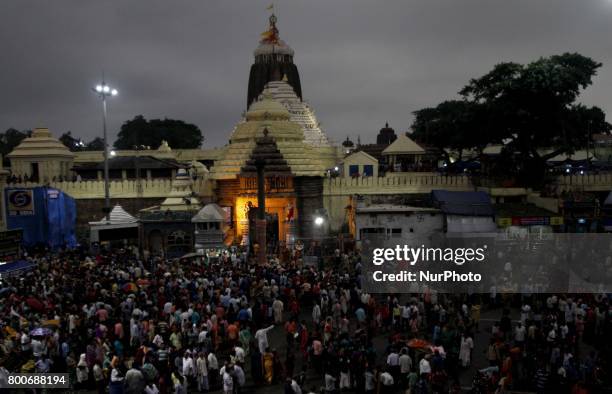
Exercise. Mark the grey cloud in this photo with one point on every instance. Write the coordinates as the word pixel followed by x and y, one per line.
pixel 362 62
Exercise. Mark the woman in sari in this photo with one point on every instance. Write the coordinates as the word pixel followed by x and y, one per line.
pixel 268 365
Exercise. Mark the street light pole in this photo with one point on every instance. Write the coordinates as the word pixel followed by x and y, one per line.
pixel 106 178
pixel 103 91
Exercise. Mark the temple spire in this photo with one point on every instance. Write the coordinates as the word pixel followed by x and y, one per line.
pixel 273 60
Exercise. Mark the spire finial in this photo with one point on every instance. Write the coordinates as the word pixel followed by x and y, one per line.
pixel 270 35
pixel 387 125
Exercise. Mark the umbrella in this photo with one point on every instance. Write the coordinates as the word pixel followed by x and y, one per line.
pixel 10 331
pixel 35 304
pixel 5 289
pixel 191 255
pixel 418 343
pixel 51 323
pixel 41 332
pixel 129 287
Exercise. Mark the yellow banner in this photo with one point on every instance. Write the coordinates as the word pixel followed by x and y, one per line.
pixel 504 222
pixel 556 221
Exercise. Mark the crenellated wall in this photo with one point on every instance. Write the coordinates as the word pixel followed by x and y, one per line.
pixel 145 188
pixel 337 192
pixel 588 182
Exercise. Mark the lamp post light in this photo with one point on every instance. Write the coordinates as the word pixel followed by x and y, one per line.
pixel 103 91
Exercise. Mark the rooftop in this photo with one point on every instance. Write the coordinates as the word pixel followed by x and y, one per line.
pixel 41 143
pixel 390 208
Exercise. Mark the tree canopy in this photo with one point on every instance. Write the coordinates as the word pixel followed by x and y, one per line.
pixel 71 142
pixel 10 139
pixel 531 108
pixel 95 144
pixel 140 131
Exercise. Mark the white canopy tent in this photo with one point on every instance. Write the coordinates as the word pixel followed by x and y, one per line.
pixel 118 219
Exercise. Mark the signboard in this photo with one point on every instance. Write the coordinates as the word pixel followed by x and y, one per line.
pixel 531 221
pixel 556 221
pixel 20 202
pixel 10 242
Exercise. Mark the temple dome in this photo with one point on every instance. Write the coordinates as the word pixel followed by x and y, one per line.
pixel 277 48
pixel 41 144
pixel 267 108
pixel 271 44
pixel 268 114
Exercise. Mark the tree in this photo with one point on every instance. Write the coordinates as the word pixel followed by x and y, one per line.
pixel 532 108
pixel 453 124
pixel 72 143
pixel 9 140
pixel 140 131
pixel 95 144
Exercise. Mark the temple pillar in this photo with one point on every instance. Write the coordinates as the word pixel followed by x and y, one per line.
pixel 3 176
pixel 260 227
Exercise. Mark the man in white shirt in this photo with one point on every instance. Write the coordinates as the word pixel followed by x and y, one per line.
pixel 261 336
pixel 424 366
pixel 370 381
pixel 393 364
pixel 316 314
pixel 405 363
pixel 295 387
pixel 278 308
pixel 26 344
pixel 213 369
pixel 386 382
pixel 519 334
pixel 228 381
pixel 330 383
pixel 189 369
pixel 202 373
pixel 239 355
pixel 525 311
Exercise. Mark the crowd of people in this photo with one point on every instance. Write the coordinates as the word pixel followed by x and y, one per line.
pixel 119 324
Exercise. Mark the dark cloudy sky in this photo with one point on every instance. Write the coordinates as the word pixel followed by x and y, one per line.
pixel 361 62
